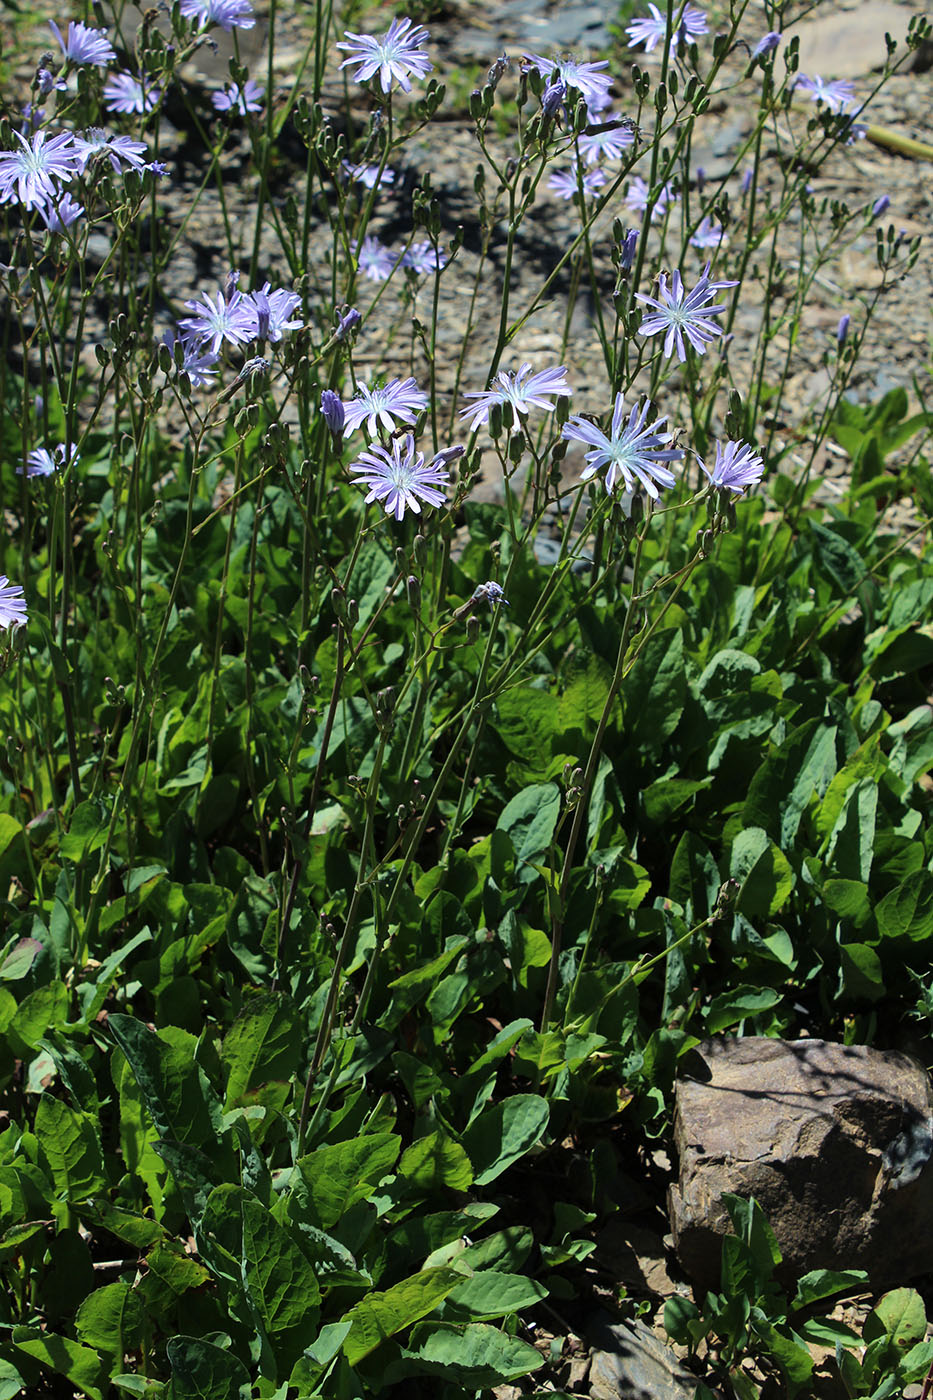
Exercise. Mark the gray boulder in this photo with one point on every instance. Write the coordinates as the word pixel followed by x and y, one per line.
pixel 833 1141
pixel 630 1363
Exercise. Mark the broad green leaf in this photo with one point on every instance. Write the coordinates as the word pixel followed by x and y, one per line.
pixel 381 1315
pixel 263 1043
pixel 506 1250
pixel 900 1316
pixel 851 842
pixel 281 1284
pixel 69 1139
pixel 792 773
pixel 849 899
pixel 87 831
pixel 339 1175
pixel 731 1007
pixel 176 1090
pixel 80 1366
pixel 530 820
pixel 436 1161
pixel 477 1357
pixel 203 1371
pixel 586 679
pixel 862 972
pixel 763 871
pixel 503 1134
pixel 824 1283
pixel 490 1294
pixel 907 911
pixel 20 959
pixel 655 690
pixel 111 1319
pixel 526 720
pixel 11 1382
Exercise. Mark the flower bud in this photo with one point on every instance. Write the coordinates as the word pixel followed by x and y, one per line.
pixel 333 411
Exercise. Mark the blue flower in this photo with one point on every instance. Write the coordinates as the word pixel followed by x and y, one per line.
pixel 398 478
pixel 246 99
pixel 124 93
pixel 229 14
pixel 587 78
pixel 396 56
pixel 737 466
pixel 84 45
pixel 519 391
pixel 635 450
pixel 678 313
pixel 29 174
pixel 836 95
pixel 399 401
pixel 689 23
pixel 12 603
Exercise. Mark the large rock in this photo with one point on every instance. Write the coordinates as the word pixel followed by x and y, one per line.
pixel 833 1141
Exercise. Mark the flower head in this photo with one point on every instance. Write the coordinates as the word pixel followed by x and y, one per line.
pixel 767 43
pixel 519 391
pixel 84 45
pixel 880 206
pixel 637 197
pixel 737 466
pixel 374 259
pixel 636 451
pixel 347 323
pixel 399 401
pixel 124 93
pixel 12 603
pixel 197 362
pixel 836 95
pixel 491 593
pixel 397 55
pixel 398 478
pixel 229 317
pixel 566 184
pixel 244 100
pixel 708 234
pixel 423 258
pixel 678 313
pixel 368 175
pixel 689 23
pixel 587 78
pixel 61 214
pixel 118 149
pixel 842 330
pixel 552 97
pixel 333 411
pixel 605 140
pixel 42 462
pixel 29 174
pixel 229 14
pixel 272 310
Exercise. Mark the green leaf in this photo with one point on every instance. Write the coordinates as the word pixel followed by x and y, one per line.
pixel 435 1161
pixel 11 1382
pixel 751 1226
pixel 262 1044
pixel 793 772
pixel 281 1284
pixel 176 1090
pixel 907 911
pixel 111 1319
pixel 69 1139
pixel 381 1315
pixel 731 1007
pixel 504 1133
pixel 476 1358
pixel 86 833
pixel 655 691
pixel 586 679
pixel 764 872
pixel 339 1175
pixel 823 1283
pixel 862 972
pixel 530 820
pixel 203 1371
pixel 490 1294
pixel 526 721
pixel 900 1317
pixel 79 1365
pixel 20 959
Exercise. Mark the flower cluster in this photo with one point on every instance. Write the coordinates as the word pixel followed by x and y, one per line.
pixel 235 318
